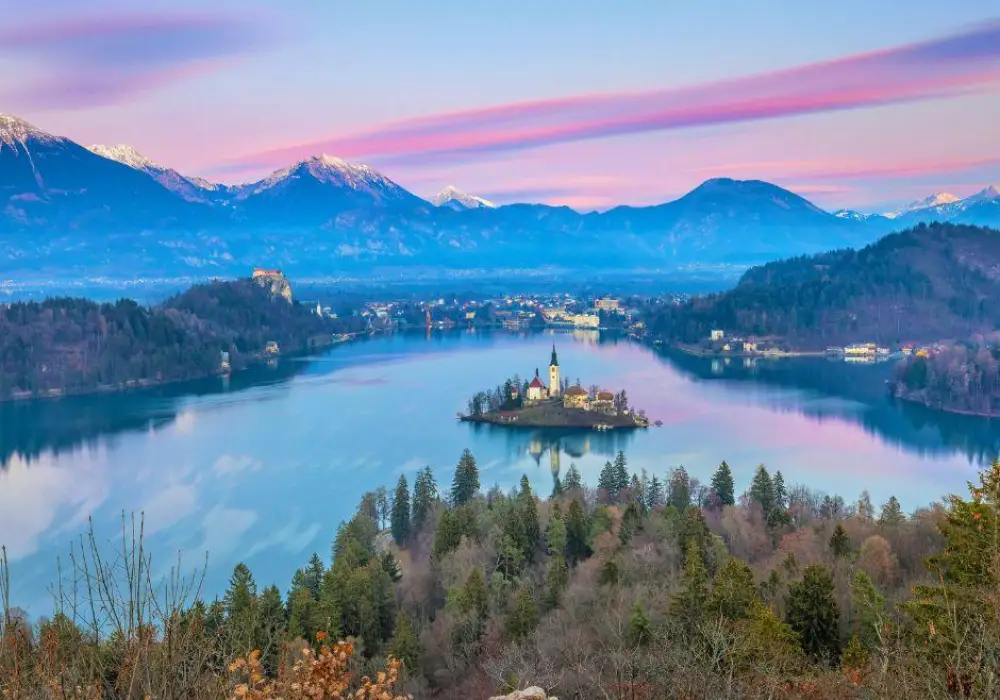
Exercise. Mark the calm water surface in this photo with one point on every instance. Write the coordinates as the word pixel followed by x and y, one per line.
pixel 261 468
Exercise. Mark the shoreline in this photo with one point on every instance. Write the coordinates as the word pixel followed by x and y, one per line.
pixel 141 384
pixel 698 352
pixel 517 424
pixel 945 409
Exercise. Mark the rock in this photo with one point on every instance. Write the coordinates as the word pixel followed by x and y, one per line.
pixel 532 693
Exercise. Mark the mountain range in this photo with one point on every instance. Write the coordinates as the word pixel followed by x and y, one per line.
pixel 66 209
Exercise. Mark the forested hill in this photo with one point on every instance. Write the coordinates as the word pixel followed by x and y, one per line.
pixel 73 345
pixel 930 282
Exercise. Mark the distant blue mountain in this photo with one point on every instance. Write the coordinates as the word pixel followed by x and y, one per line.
pixel 65 209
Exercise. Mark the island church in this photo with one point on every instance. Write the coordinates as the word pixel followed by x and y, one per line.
pixel 537 391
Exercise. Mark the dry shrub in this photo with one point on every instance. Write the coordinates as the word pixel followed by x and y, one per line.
pixel 318 675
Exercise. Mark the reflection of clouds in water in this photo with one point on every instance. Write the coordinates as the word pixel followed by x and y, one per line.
pixel 290 538
pixel 223 529
pixel 232 464
pixel 168 506
pixel 184 423
pixel 34 498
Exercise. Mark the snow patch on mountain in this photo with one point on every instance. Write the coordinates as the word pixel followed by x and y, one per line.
pixel 334 171
pixel 455 198
pixel 15 131
pixel 126 155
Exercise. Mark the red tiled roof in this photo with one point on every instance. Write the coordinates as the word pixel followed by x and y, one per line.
pixel 576 391
pixel 536 383
pixel 605 396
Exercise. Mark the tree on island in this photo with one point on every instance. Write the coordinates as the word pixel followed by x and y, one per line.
pixel 465 485
pixel 621 402
pixel 400 517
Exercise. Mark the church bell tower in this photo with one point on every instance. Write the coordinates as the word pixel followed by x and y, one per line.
pixel 554 374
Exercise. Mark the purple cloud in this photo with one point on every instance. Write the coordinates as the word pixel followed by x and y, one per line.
pixel 963 62
pixel 99 60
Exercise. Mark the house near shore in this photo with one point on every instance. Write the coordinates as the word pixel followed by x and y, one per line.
pixel 576 397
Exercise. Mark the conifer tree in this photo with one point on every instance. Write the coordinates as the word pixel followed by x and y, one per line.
pixel 621 473
pixel 779 491
pixel 607 484
pixel 577 534
pixel 762 490
pixel 840 543
pixel 271 627
pixel 405 643
pixel 690 602
pixel 555 582
pixel 812 613
pixel 679 489
pixel 400 517
pixel 240 603
pixel 474 596
pixel 572 481
pixel 465 485
pixel 557 487
pixel 654 494
pixel 524 613
pixel 722 485
pixel 733 593
pixel 892 513
pixel 425 492
pixel 868 613
pixel 556 534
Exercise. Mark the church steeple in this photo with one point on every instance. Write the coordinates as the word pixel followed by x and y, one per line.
pixel 554 388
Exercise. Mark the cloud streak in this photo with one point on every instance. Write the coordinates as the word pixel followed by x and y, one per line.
pixel 959 63
pixel 103 60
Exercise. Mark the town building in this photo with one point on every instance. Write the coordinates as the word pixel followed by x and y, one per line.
pixel 576 397
pixel 717 335
pixel 607 304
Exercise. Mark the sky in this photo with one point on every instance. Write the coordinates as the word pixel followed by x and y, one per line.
pixel 851 104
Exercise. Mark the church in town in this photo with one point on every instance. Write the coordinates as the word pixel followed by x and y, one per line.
pixel 574 396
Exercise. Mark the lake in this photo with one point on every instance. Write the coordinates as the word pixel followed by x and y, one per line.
pixel 261 467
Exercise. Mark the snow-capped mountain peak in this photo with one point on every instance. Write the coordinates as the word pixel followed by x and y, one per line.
pixel 126 155
pixel 14 130
pixel 989 193
pixel 935 200
pixel 455 198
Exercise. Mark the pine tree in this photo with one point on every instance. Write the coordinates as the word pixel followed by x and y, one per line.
pixel 892 513
pixel 271 627
pixel 840 543
pixel 466 482
pixel 779 491
pixel 640 631
pixel 572 481
pixel 556 535
pixel 607 485
pixel 557 487
pixel 425 492
pixel 762 490
pixel 722 485
pixel 621 473
pixel 679 489
pixel 868 613
pixel 524 613
pixel 400 517
pixel 240 603
pixel 734 593
pixel 474 597
pixel 577 534
pixel 405 643
pixel 690 602
pixel 812 613
pixel 654 494
pixel 555 582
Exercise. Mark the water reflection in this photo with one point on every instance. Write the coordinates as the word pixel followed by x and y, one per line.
pixel 864 399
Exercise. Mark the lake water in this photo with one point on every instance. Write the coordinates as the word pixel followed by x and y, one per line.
pixel 263 466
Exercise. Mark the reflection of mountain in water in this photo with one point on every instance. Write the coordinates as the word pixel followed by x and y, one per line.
pixel 907 425
pixel 31 428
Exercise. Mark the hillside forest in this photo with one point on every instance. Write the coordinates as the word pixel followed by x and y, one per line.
pixel 634 587
pixel 67 345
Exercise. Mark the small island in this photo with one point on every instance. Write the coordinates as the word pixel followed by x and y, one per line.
pixel 534 404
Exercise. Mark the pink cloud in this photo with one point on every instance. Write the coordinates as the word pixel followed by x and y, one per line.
pixel 108 59
pixel 959 63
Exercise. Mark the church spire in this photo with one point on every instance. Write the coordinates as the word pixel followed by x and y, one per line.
pixel 555 360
